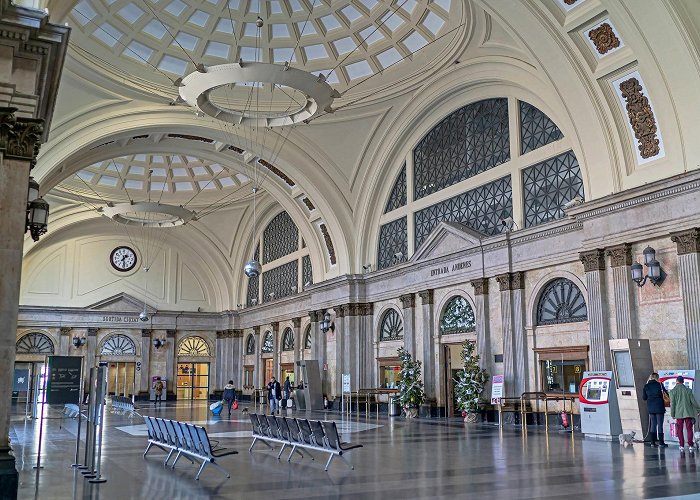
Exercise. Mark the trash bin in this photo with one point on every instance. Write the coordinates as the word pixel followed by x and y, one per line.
pixel 394 410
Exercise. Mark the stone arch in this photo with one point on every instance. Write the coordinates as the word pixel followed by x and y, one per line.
pixel 539 288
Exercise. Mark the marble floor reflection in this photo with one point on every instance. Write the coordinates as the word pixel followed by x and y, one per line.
pixel 400 459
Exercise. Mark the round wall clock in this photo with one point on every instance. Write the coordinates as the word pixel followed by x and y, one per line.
pixel 123 259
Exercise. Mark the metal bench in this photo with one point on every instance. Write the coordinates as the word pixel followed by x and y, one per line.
pixel 124 406
pixel 188 440
pixel 300 434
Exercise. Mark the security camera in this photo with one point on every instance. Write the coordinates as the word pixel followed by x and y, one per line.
pixel 367 268
pixel 508 223
pixel 398 256
pixel 576 200
pixel 143 316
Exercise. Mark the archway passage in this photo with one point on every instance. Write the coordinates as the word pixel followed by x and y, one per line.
pixel 192 381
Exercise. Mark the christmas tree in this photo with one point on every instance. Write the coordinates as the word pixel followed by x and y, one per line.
pixel 471 380
pixel 410 386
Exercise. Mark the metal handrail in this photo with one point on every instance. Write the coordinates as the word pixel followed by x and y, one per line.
pixel 531 396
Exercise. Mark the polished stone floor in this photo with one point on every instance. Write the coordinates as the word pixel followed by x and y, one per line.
pixel 400 459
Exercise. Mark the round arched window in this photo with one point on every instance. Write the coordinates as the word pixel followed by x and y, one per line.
pixel 391 327
pixel 250 345
pixel 307 338
pixel 268 342
pixel 288 340
pixel 193 346
pixel 34 343
pixel 458 317
pixel 118 345
pixel 561 301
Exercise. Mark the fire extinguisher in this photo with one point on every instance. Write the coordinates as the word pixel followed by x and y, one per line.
pixel 564 419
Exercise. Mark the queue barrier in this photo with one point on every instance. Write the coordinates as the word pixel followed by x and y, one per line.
pixel 369 397
pixel 300 434
pixel 535 403
pixel 188 440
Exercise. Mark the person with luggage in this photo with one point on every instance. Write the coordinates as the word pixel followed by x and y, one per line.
pixel 229 396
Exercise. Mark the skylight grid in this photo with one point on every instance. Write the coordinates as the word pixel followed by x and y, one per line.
pixel 433 23
pixel 175 8
pixel 358 70
pixel 108 34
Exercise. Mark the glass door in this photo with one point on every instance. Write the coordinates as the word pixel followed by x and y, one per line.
pixel 192 381
pixel 268 371
pixel 121 378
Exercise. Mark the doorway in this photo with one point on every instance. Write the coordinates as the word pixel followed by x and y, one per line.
pixel 121 379
pixel 268 371
pixel 192 381
pixel 453 364
pixel 28 384
pixel 287 370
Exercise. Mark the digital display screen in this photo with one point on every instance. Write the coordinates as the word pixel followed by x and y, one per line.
pixel 594 393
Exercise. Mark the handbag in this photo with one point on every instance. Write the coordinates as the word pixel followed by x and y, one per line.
pixel 235 405
pixel 667 399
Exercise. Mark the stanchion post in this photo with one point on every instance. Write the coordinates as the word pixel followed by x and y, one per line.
pixel 41 421
pixel 80 418
pixel 89 424
pixel 101 393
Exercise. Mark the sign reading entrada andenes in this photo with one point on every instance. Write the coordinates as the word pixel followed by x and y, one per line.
pixel 458 266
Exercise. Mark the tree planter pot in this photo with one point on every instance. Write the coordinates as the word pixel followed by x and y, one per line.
pixel 411 412
pixel 471 418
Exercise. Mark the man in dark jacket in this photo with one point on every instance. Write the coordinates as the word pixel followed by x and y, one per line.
pixel 654 396
pixel 229 395
pixel 274 394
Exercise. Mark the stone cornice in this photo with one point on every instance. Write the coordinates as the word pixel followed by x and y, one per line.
pixel 687 241
pixel 593 260
pixel 481 286
pixel 511 281
pixel 620 255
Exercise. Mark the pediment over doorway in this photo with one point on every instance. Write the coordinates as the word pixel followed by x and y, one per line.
pixel 447 238
pixel 121 302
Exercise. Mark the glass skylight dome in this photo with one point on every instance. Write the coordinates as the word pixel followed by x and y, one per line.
pixel 318 36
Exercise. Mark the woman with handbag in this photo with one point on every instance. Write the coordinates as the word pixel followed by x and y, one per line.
pixel 656 396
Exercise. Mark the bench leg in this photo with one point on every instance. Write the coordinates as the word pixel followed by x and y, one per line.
pixel 330 458
pixel 177 457
pixel 221 469
pixel 347 461
pixel 284 445
pixel 200 470
pixel 172 450
pixel 150 445
pixel 255 440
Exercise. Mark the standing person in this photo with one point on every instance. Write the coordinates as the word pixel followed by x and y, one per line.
pixel 158 389
pixel 229 395
pixel 287 391
pixel 653 394
pixel 274 394
pixel 684 408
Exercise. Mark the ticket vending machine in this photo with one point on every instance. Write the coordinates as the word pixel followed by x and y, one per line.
pixel 600 415
pixel 668 379
pixel 632 366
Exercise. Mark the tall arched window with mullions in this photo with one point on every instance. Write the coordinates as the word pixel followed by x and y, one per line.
pixel 268 343
pixel 288 340
pixel 307 337
pixel 391 327
pixel 458 317
pixel 250 345
pixel 561 301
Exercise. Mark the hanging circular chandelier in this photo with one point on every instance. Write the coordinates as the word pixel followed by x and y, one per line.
pixel 148 214
pixel 197 87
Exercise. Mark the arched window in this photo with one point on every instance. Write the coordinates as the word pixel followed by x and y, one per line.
pixel 391 326
pixel 561 302
pixel 288 340
pixel 307 337
pixel 193 346
pixel 458 317
pixel 268 343
pixel 118 345
pixel 250 345
pixel 34 343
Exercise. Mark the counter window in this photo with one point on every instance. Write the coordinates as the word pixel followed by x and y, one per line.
pixel 562 376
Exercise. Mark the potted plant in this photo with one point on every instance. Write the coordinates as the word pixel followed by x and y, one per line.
pixel 411 394
pixel 470 383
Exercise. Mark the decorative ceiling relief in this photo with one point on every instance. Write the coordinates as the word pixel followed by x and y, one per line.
pixel 641 118
pixel 567 5
pixel 329 243
pixel 277 172
pixel 603 38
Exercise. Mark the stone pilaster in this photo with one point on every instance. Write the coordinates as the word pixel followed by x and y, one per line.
pixel 341 330
pixel 258 374
pixel 512 323
pixel 298 346
pixel 365 354
pixel 143 375
pixel 620 262
pixel 90 348
pixel 688 248
pixel 220 371
pixel 319 346
pixel 65 341
pixel 276 350
pixel 427 353
pixel 170 363
pixel 483 334
pixel 408 302
pixel 235 338
pixel 594 267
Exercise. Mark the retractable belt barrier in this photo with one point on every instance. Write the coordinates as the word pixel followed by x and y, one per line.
pixel 300 433
pixel 188 440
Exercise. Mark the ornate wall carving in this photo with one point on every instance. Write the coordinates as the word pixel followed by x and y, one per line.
pixel 593 260
pixel 408 300
pixel 329 243
pixel 426 297
pixel 620 255
pixel 481 286
pixel 604 38
pixel 511 281
pixel 641 117
pixel 277 172
pixel 687 241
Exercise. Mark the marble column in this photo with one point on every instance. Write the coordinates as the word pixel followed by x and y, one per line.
pixel 426 350
pixel 620 262
pixel 351 344
pixel 90 349
pixel 408 302
pixel 483 334
pixel 144 381
pixel 366 361
pixel 220 371
pixel 594 267
pixel 66 341
pixel 276 350
pixel 170 364
pixel 512 323
pixel 319 347
pixel 688 248
pixel 341 313
pixel 298 346
pixel 258 374
pixel 235 360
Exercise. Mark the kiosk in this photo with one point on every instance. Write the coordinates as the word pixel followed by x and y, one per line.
pixel 668 379
pixel 600 416
pixel 632 364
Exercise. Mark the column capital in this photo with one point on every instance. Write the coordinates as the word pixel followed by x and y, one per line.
pixel 256 330
pixel 408 300
pixel 343 310
pixel 92 331
pixel 366 309
pixel 313 316
pixel 20 138
pixel 481 286
pixel 65 330
pixel 511 281
pixel 170 333
pixel 220 334
pixel 426 297
pixel 275 327
pixel 235 333
pixel 145 332
pixel 593 260
pixel 620 255
pixel 687 241
pixel 296 322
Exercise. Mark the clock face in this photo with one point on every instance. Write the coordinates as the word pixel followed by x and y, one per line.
pixel 123 259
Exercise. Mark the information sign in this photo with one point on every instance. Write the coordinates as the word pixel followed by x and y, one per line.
pixel 346 382
pixel 496 389
pixel 64 380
